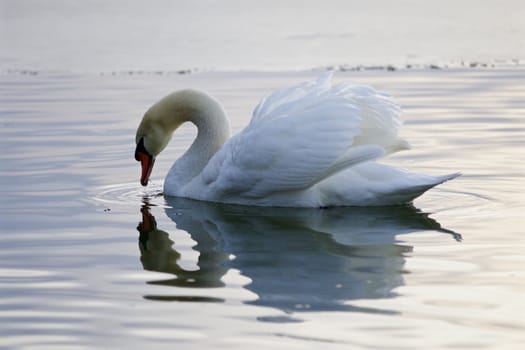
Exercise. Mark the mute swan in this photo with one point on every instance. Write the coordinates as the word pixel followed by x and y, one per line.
pixel 309 145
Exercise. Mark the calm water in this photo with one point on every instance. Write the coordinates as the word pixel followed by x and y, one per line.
pixel 120 35
pixel 89 259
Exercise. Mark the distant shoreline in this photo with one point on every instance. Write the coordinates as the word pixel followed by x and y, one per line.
pixel 503 64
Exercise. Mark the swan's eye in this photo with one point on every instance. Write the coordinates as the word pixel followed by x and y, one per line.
pixel 140 149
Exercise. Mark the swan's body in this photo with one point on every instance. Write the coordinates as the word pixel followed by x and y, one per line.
pixel 310 145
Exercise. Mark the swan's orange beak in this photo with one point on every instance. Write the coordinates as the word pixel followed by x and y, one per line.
pixel 147 165
pixel 146 161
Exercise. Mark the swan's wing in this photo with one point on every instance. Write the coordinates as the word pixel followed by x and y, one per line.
pixel 301 135
pixel 380 116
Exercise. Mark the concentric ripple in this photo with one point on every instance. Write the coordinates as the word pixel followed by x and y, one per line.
pixel 461 203
pixel 131 193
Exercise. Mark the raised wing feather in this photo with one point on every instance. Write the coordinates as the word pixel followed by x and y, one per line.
pixel 301 135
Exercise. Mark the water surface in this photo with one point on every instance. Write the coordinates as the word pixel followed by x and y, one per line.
pixel 90 259
pixel 163 35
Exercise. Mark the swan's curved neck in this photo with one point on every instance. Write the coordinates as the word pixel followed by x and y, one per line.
pixel 213 130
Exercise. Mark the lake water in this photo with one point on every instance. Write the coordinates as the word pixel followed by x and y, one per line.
pixel 164 35
pixel 76 272
pixel 89 259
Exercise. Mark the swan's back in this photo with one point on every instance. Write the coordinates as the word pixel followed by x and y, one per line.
pixel 378 118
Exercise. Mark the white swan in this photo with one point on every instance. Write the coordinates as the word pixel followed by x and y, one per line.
pixel 309 145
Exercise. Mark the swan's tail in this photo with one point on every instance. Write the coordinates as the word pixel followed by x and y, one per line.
pixel 445 178
pixel 410 193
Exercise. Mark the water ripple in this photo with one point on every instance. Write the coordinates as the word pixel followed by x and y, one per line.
pixel 125 194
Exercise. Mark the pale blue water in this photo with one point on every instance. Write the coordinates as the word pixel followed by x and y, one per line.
pixel 77 273
pixel 89 259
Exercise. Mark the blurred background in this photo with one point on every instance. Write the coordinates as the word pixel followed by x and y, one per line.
pixel 161 35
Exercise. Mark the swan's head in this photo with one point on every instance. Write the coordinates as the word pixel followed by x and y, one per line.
pixel 155 130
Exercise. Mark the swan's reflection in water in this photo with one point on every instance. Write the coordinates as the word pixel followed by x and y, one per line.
pixel 296 259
